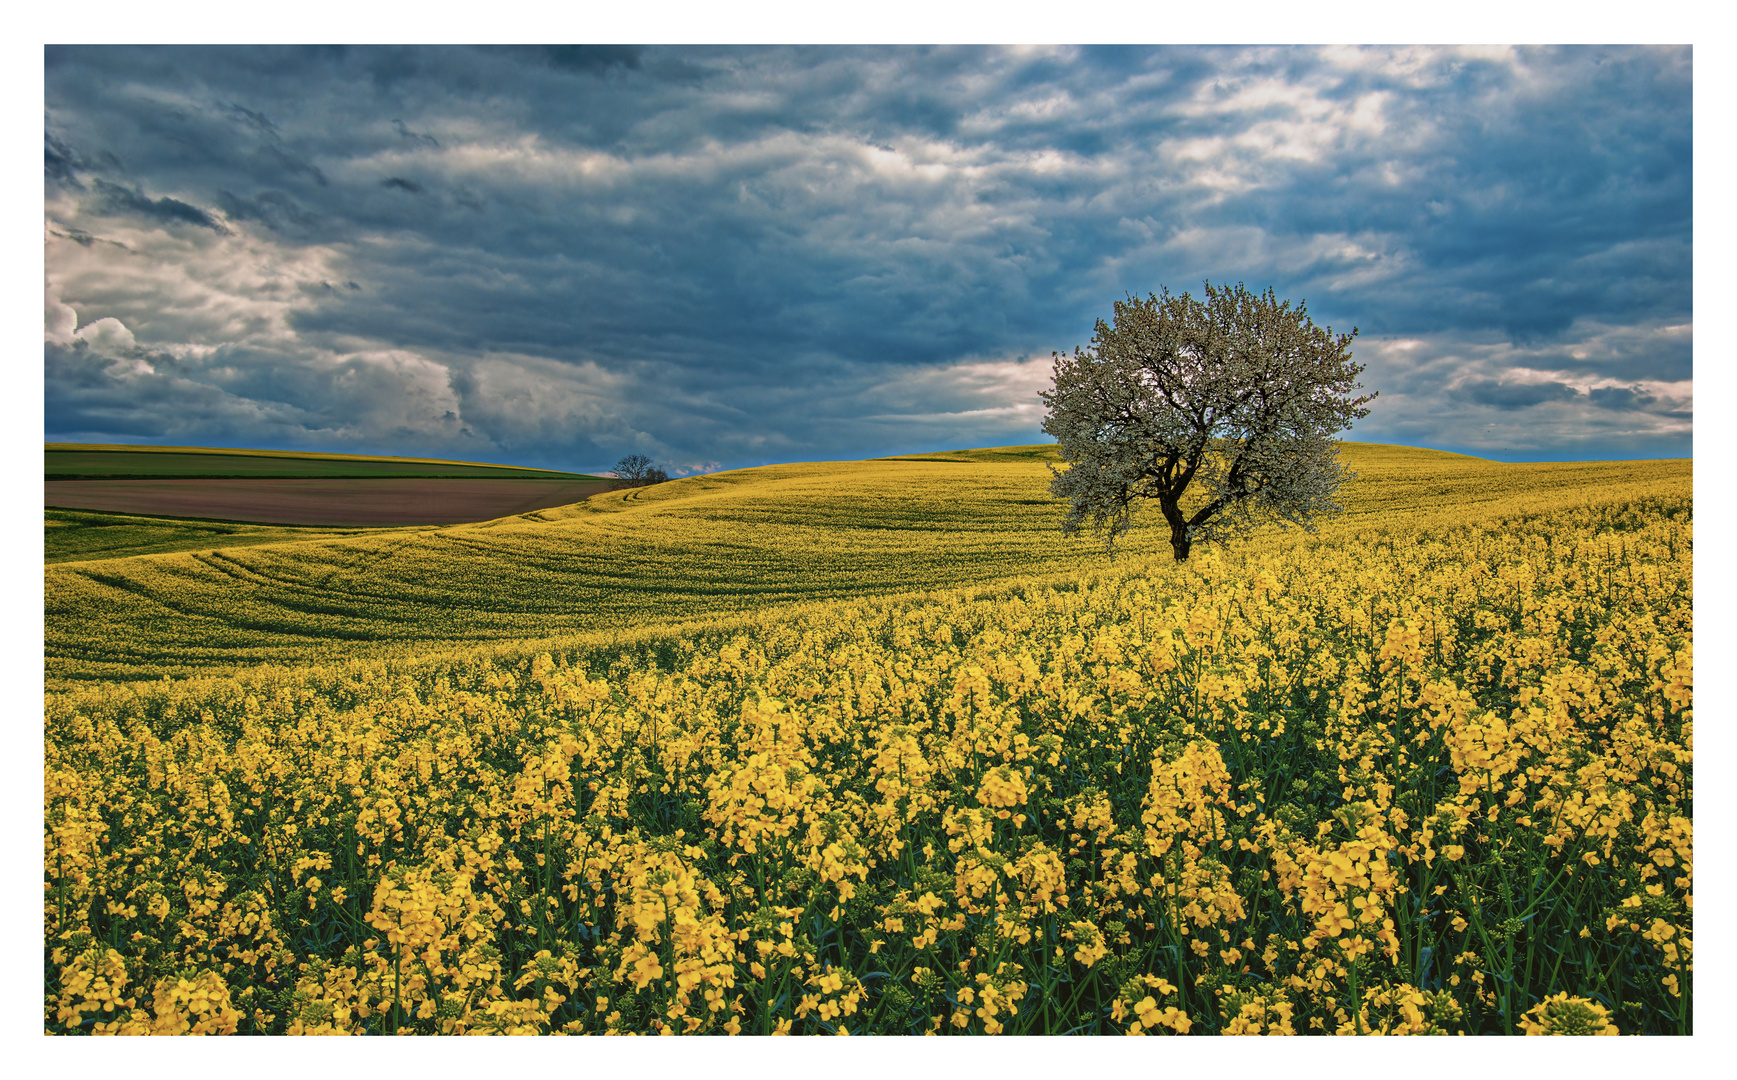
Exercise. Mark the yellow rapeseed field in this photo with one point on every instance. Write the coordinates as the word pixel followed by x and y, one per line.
pixel 698 549
pixel 890 756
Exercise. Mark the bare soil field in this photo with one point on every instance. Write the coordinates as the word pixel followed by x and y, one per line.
pixel 331 502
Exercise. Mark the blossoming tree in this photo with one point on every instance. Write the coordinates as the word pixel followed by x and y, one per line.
pixel 1233 399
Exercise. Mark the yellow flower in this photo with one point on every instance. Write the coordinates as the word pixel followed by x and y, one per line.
pixel 1148 1011
pixel 1564 1015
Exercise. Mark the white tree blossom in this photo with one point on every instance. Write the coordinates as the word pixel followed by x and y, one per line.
pixel 1235 399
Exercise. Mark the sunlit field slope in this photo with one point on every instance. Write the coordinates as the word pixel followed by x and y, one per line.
pixel 1428 772
pixel 695 549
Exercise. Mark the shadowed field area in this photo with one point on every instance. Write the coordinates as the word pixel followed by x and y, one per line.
pixel 82 535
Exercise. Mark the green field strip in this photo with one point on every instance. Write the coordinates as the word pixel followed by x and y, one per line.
pixel 50 450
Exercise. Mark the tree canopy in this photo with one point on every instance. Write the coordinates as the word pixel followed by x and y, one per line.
pixel 636 470
pixel 1236 397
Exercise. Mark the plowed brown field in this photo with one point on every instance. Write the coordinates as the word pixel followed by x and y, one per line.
pixel 353 502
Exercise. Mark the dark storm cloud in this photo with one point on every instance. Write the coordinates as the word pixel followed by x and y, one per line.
pixel 258 121
pixel 276 210
pixel 60 162
pixel 727 255
pixel 82 238
pixel 1516 395
pixel 414 136
pixel 115 199
pixel 1635 399
pixel 590 59
pixel 276 160
pixel 1620 397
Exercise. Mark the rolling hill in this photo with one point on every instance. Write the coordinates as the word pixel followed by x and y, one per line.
pixel 701 548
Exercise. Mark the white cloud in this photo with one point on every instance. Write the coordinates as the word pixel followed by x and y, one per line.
pixel 991 400
pixel 59 320
pixel 174 288
pixel 1441 390
pixel 107 335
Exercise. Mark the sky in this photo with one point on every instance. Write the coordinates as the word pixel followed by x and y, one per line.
pixel 729 256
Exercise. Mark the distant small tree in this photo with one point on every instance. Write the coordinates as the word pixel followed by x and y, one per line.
pixel 636 470
pixel 632 468
pixel 1236 397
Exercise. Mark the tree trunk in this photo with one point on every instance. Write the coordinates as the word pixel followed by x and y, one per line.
pixel 1178 528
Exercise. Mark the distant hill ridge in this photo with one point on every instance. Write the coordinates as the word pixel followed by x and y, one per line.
pixel 1051 452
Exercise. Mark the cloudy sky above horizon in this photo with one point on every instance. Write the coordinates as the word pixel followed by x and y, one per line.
pixel 724 257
